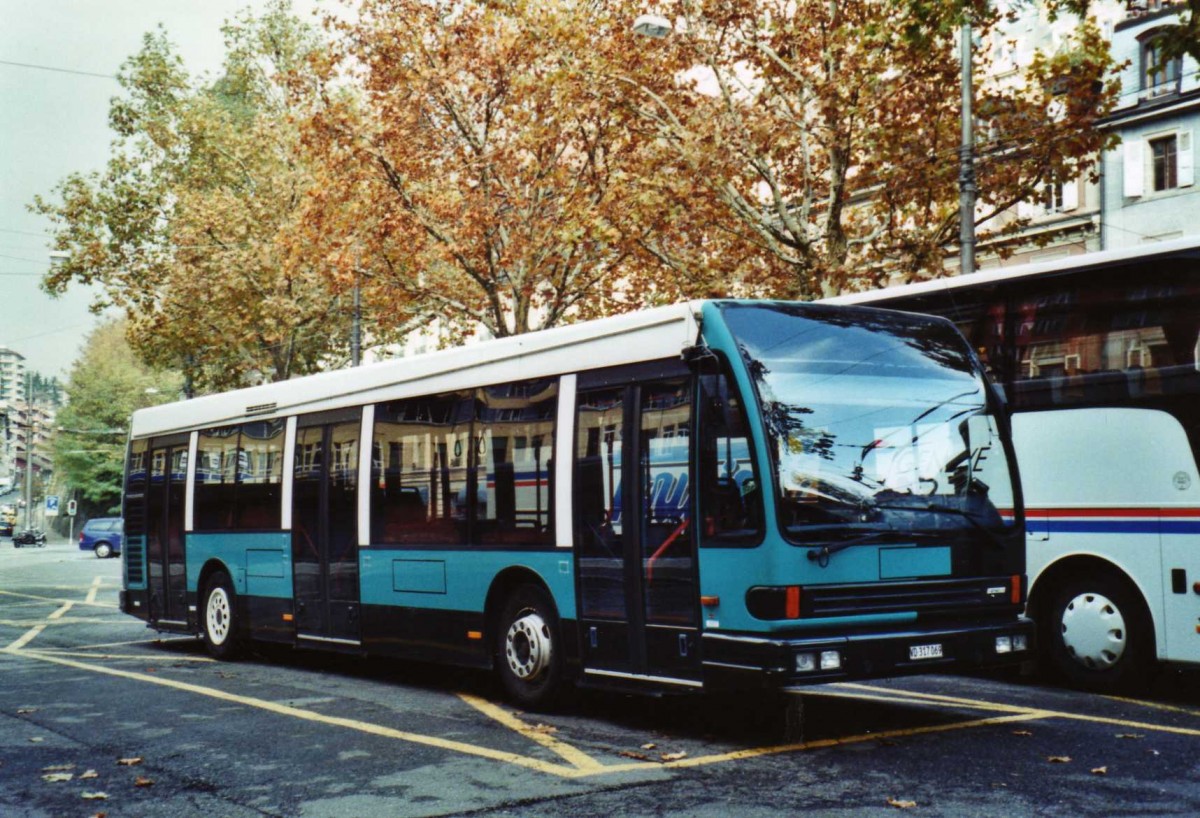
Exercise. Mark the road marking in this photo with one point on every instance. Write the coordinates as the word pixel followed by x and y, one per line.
pixel 576 757
pixel 135 657
pixel 29 636
pixel 155 641
pixel 536 764
pixel 1156 705
pixel 61 612
pixel 904 695
pixel 91 597
pixel 59 600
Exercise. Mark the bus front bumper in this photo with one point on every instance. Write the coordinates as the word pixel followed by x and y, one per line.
pixel 734 660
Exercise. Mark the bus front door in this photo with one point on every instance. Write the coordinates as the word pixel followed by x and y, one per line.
pixel 638 605
pixel 165 493
pixel 325 531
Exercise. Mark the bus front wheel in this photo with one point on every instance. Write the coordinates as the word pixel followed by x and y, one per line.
pixel 528 648
pixel 1097 634
pixel 220 621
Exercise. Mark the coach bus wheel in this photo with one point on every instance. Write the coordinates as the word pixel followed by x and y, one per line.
pixel 1097 634
pixel 103 550
pixel 528 649
pixel 220 617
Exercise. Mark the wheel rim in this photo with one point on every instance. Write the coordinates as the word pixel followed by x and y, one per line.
pixel 216 616
pixel 527 646
pixel 102 551
pixel 1094 632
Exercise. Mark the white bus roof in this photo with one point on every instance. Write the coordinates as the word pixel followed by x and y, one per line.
pixel 1091 261
pixel 645 335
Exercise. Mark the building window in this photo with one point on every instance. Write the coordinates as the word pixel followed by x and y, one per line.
pixel 1159 75
pixel 1164 162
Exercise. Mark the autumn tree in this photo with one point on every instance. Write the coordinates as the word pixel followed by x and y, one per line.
pixel 180 230
pixel 469 170
pixel 106 384
pixel 828 132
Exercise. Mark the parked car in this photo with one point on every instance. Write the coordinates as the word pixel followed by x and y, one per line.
pixel 102 535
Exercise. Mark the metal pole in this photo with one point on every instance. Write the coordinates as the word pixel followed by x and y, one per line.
pixel 29 432
pixel 966 170
pixel 356 329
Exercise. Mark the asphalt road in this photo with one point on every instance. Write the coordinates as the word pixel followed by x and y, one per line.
pixel 100 716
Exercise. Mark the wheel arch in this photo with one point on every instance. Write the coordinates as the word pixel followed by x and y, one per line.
pixel 212 566
pixel 501 588
pixel 1042 590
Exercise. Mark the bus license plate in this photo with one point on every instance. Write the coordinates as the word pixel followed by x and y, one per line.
pixel 916 652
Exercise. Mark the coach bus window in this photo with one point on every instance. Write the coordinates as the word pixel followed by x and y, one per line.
pixel 513 454
pixel 598 503
pixel 260 475
pixel 1110 342
pixel 419 470
pixel 729 482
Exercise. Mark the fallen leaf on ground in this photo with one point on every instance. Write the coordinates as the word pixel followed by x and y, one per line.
pixel 1059 759
pixel 143 782
pixel 89 774
pixel 633 754
pixel 37 739
pixel 1022 732
pixel 1100 771
pixel 58 768
pixel 95 796
pixel 1130 735
pixel 129 762
pixel 649 745
pixel 674 756
pixel 25 711
pixel 544 728
pixel 54 778
pixel 898 804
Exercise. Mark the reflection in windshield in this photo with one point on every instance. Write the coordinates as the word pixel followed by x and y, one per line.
pixel 878 422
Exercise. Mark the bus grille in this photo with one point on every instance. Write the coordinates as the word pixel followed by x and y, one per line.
pixel 922 597
pixel 135 561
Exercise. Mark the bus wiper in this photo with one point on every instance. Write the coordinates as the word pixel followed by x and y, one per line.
pixel 940 508
pixel 821 555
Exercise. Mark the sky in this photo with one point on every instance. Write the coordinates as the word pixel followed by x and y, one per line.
pixel 58 66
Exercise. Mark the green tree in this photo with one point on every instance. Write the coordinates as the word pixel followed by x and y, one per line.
pixel 180 230
pixel 106 384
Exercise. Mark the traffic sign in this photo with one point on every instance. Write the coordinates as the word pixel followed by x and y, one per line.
pixel 51 505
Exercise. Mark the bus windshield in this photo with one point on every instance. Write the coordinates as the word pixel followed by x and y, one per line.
pixel 877 423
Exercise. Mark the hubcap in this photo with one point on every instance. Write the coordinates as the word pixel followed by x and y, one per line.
pixel 527 647
pixel 217 616
pixel 1093 631
pixel 102 551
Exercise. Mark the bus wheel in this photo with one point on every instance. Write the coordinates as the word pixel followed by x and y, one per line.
pixel 220 618
pixel 528 648
pixel 1097 634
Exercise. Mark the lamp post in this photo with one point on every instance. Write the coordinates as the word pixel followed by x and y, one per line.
pixel 966 152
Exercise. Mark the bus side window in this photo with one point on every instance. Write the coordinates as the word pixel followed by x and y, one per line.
pixel 730 499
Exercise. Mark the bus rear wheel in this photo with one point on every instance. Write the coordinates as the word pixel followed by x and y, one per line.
pixel 219 623
pixel 528 648
pixel 1097 634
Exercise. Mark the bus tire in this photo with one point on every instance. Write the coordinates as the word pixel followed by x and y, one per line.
pixel 219 619
pixel 529 657
pixel 1096 634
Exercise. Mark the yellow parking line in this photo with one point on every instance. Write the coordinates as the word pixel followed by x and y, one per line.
pixel 365 727
pixel 577 758
pixel 1156 705
pixel 136 657
pixel 91 597
pixel 59 600
pixel 155 641
pixel 904 695
pixel 61 612
pixel 29 636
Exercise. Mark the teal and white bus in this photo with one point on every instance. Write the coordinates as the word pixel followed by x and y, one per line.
pixel 709 495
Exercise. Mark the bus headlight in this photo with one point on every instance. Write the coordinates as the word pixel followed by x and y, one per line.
pixel 1004 644
pixel 831 660
pixel 1020 642
pixel 806 662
